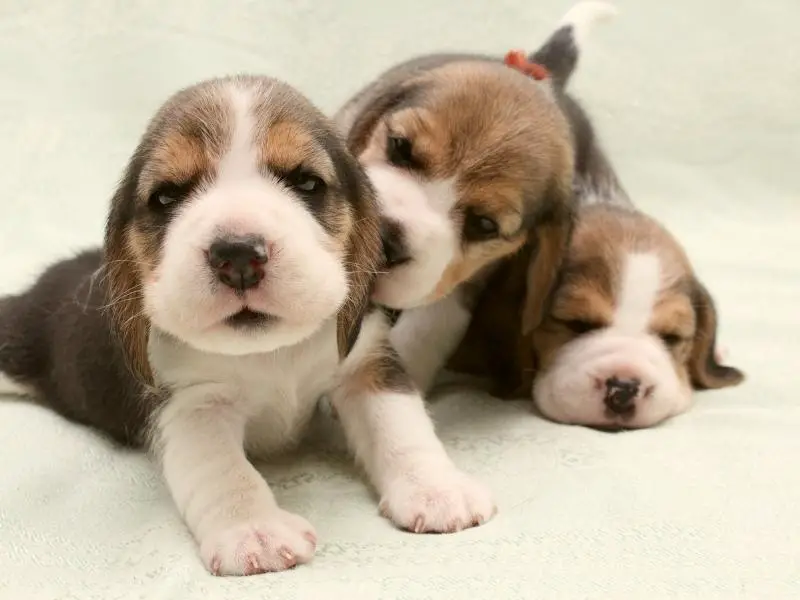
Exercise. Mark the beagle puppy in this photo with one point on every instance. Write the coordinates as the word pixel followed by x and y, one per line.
pixel 472 161
pixel 630 330
pixel 232 290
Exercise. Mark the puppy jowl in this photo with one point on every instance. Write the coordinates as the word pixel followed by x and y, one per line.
pixel 232 292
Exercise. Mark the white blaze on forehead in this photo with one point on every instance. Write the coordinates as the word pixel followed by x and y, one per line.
pixel 241 159
pixel 636 297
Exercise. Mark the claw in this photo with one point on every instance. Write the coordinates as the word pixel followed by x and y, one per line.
pixel 419 524
pixel 216 565
pixel 312 539
pixel 289 559
pixel 253 566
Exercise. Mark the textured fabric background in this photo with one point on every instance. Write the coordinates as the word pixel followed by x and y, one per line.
pixel 698 104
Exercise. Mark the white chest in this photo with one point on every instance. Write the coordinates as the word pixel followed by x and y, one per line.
pixel 275 393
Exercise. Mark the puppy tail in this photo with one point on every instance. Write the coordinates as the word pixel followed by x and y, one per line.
pixel 559 53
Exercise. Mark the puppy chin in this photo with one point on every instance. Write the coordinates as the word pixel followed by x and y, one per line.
pixel 400 289
pixel 421 211
pixel 266 333
pixel 304 282
pixel 573 390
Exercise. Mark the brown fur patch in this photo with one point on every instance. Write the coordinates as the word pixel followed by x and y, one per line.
pixel 382 371
pixel 704 370
pixel 363 259
pixel 504 143
pixel 472 261
pixel 288 144
pixel 124 271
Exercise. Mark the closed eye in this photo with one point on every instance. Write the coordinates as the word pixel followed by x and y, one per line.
pixel 671 340
pixel 579 326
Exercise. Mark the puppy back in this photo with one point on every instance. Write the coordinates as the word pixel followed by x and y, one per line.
pixel 55 339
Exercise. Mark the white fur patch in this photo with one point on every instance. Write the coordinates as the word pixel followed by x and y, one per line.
pixel 393 438
pixel 9 387
pixel 426 336
pixel 584 16
pixel 241 160
pixel 423 211
pixel 641 280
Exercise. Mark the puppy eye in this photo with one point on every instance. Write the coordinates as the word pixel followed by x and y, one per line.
pixel 670 339
pixel 479 228
pixel 305 182
pixel 170 194
pixel 399 151
pixel 579 326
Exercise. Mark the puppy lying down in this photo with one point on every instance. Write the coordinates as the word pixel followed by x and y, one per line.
pixel 629 331
pixel 232 290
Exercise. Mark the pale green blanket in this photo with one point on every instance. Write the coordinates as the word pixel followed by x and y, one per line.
pixel 699 105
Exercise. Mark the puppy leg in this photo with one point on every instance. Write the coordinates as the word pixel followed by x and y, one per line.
pixel 427 336
pixel 226 504
pixel 393 438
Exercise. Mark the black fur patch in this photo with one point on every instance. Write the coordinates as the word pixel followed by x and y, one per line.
pixel 391 374
pixel 56 338
pixel 559 55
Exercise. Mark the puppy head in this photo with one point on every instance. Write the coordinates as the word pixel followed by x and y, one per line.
pixel 240 226
pixel 630 330
pixel 470 161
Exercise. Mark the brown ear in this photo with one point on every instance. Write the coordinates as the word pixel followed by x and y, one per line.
pixel 123 284
pixel 549 238
pixel 704 370
pixel 384 99
pixel 364 247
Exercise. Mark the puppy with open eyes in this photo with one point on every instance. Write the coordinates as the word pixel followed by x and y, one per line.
pixel 233 289
pixel 472 161
pixel 630 330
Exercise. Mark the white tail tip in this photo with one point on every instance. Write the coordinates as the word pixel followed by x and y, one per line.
pixel 584 15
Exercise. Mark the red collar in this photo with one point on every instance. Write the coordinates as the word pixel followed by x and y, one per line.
pixel 516 60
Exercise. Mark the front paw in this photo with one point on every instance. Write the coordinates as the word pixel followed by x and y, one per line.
pixel 438 502
pixel 278 541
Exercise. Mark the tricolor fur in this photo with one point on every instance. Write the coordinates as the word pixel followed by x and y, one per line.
pixel 232 291
pixel 472 162
pixel 630 331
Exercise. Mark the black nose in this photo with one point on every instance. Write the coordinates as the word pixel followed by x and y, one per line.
pixel 238 264
pixel 395 250
pixel 620 394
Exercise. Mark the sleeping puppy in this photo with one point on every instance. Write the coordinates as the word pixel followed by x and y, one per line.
pixel 629 332
pixel 472 161
pixel 233 290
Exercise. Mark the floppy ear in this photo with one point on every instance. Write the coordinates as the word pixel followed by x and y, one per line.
pixel 364 251
pixel 549 239
pixel 704 370
pixel 383 101
pixel 123 284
